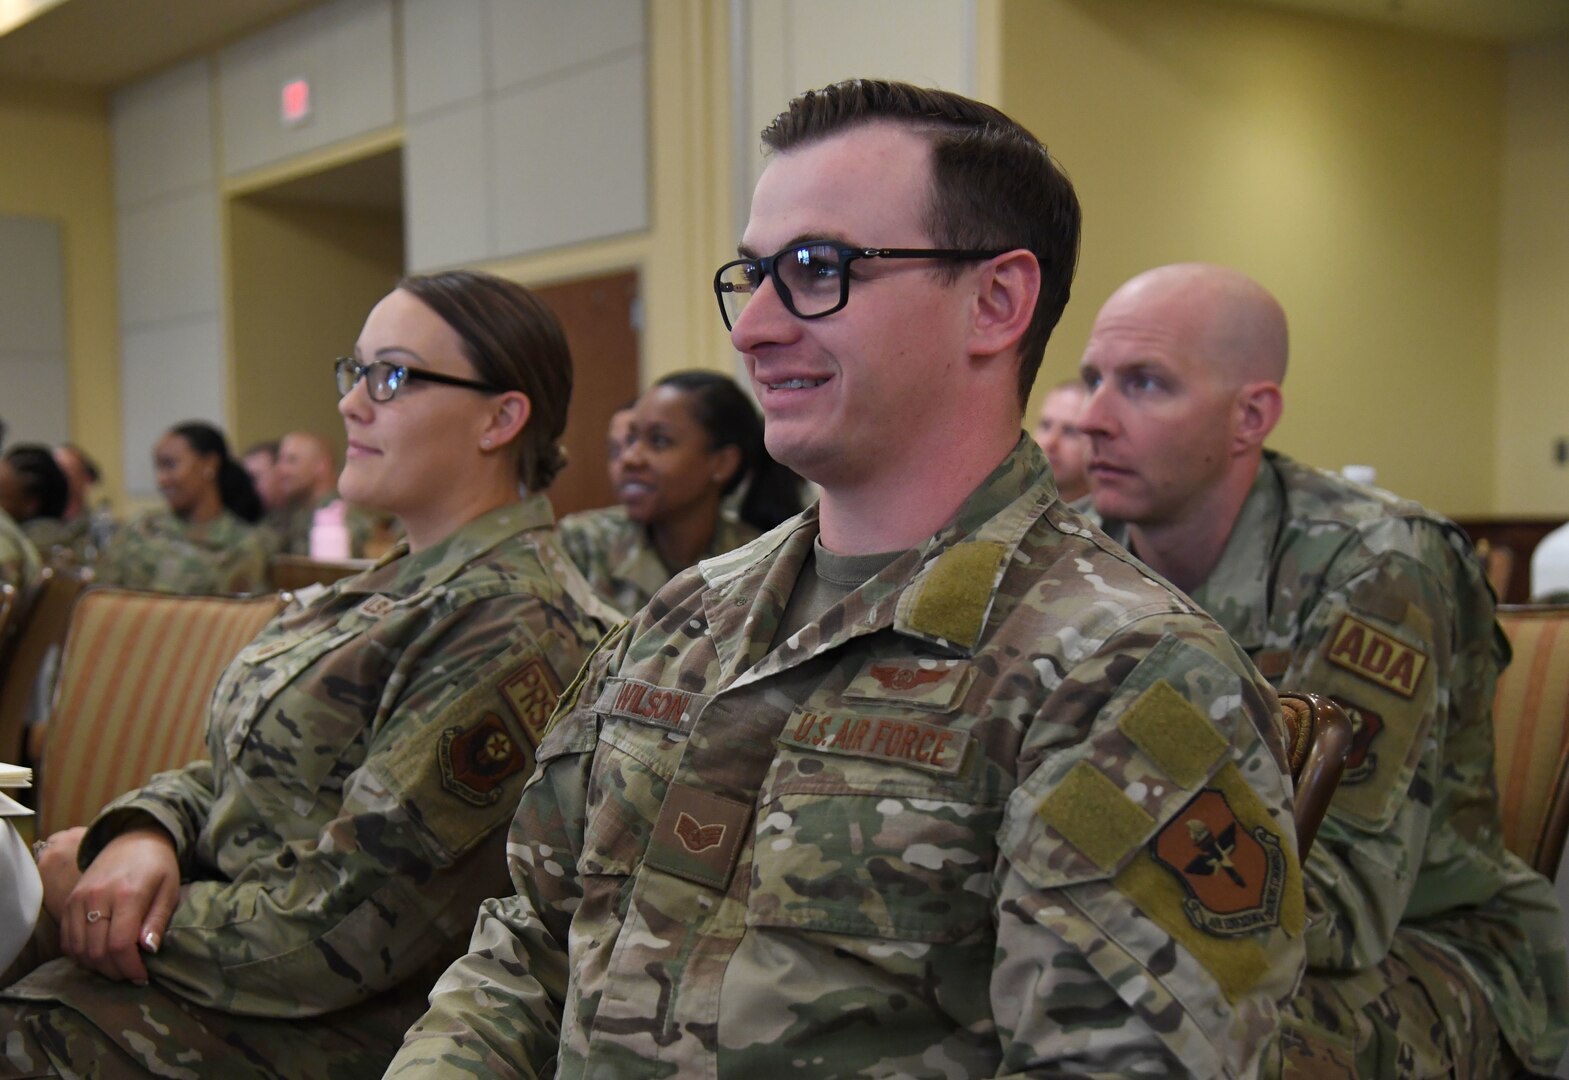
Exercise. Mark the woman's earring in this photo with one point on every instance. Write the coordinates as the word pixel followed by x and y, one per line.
pixel 485 443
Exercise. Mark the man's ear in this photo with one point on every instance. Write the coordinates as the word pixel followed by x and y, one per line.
pixel 1257 410
pixel 1005 302
pixel 508 415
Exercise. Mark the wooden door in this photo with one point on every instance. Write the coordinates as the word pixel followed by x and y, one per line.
pixel 599 316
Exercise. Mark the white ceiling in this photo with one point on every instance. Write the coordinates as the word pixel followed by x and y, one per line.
pixel 103 43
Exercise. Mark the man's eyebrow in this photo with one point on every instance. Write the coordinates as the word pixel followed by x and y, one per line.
pixel 746 251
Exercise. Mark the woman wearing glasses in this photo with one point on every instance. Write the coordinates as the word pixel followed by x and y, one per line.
pixel 283 909
pixel 693 441
pixel 205 541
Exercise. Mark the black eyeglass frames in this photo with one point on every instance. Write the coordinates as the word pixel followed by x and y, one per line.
pixel 813 279
pixel 383 379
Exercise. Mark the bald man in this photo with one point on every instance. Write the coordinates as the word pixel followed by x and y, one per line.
pixel 305 480
pixel 1435 947
pixel 1057 434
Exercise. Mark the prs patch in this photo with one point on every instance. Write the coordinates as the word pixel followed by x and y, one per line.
pixel 698 835
pixel 938 685
pixel 902 740
pixel 1366 725
pixel 1381 659
pixel 531 692
pixel 1233 875
pixel 477 760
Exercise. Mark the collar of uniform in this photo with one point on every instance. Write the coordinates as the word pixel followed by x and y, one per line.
pixel 750 587
pixel 401 573
pixel 1236 592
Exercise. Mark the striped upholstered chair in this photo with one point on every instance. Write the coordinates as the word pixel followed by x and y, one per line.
pixel 138 671
pixel 1531 734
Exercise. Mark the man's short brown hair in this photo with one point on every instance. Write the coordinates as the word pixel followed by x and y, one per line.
pixel 994 184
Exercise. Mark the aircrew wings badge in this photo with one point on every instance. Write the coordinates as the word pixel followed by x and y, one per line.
pixel 1233 876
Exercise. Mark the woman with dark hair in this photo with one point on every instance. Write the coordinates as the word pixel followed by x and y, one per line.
pixel 694 440
pixel 206 541
pixel 283 909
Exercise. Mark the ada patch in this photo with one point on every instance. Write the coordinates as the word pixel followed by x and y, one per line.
pixel 531 692
pixel 477 760
pixel 1385 661
pixel 1233 876
pixel 1366 725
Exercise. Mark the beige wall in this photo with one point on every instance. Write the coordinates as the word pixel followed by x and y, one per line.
pixel 55 163
pixel 1350 168
pixel 1533 338
pixel 302 280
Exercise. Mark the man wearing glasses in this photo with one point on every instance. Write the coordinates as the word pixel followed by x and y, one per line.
pixel 930 780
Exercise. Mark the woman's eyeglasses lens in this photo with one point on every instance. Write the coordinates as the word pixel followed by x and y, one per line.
pixel 382 378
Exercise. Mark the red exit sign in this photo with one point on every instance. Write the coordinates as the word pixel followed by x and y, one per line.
pixel 296 102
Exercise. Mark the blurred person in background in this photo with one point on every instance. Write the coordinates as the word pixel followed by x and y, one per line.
pixel 694 438
pixel 1057 434
pixel 206 539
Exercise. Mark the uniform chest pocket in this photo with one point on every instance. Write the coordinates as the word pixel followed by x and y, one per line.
pixel 867 846
pixel 301 715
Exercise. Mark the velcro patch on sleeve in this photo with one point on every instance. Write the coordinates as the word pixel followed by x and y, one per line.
pixel 1094 815
pixel 1218 878
pixel 953 599
pixel 1182 741
pixel 1379 657
pixel 531 692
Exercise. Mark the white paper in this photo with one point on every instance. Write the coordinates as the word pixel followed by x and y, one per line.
pixel 21 893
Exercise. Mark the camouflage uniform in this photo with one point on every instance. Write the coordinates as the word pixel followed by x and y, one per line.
pixel 1378 603
pixel 366 751
pixel 19 561
pixel 163 552
pixel 1009 805
pixel 616 556
pixel 60 542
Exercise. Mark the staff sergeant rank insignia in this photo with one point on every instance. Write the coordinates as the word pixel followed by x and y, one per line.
pixel 1233 877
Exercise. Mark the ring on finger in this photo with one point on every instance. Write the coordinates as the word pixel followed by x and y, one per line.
pixel 94 915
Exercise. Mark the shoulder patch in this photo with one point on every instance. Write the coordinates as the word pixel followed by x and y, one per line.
pixel 531 692
pixel 1216 878
pixel 477 760
pixel 1366 726
pixel 1382 659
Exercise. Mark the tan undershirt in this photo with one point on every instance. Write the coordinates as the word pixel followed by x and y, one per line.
pixel 827 578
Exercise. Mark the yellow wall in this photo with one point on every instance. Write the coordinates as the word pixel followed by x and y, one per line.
pixel 302 280
pixel 54 145
pixel 1351 169
pixel 1533 345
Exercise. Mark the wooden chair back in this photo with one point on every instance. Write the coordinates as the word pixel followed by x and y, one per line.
pixel 136 681
pixel 40 629
pixel 291 572
pixel 1319 736
pixel 1531 734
